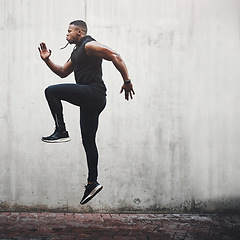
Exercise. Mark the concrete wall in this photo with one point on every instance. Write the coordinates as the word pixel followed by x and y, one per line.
pixel 175 147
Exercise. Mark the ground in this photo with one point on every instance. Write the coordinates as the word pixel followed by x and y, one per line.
pixel 22 225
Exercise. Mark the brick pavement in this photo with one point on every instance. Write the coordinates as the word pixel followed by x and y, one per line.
pixel 68 226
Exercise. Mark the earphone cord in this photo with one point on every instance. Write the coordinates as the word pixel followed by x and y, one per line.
pixel 64 46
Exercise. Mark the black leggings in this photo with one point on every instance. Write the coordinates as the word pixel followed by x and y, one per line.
pixel 91 103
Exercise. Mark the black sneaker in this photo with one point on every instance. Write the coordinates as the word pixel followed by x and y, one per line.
pixel 90 192
pixel 57 137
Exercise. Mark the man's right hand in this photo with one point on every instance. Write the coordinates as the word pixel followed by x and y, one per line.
pixel 44 52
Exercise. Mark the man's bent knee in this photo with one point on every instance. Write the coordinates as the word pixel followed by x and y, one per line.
pixel 49 90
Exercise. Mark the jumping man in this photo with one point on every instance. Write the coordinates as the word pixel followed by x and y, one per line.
pixel 89 93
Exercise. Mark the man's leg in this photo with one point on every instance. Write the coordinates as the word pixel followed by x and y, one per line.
pixel 79 95
pixel 89 125
pixel 54 98
pixel 91 103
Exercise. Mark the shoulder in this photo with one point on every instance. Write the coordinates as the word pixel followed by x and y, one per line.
pixel 92 44
pixel 93 47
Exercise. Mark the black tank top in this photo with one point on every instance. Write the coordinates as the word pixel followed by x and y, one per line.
pixel 87 69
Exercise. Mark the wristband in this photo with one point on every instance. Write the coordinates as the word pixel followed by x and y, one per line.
pixel 127 82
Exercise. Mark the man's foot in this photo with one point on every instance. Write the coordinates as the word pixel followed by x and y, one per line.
pixel 90 192
pixel 57 137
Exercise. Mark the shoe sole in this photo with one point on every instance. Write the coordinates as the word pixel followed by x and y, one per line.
pixel 92 194
pixel 61 140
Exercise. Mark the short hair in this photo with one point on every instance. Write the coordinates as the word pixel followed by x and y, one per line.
pixel 81 24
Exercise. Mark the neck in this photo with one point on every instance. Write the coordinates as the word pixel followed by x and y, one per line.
pixel 79 41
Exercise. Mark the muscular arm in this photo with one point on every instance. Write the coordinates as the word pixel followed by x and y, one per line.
pixel 99 50
pixel 61 71
pixel 96 49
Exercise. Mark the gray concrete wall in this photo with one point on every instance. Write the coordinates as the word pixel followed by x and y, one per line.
pixel 175 147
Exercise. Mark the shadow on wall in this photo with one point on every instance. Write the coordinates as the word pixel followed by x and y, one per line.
pixel 218 206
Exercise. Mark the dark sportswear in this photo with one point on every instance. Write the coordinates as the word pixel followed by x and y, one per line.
pixel 57 137
pixel 89 93
pixel 87 69
pixel 91 191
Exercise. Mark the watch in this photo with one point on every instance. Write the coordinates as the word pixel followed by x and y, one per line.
pixel 127 82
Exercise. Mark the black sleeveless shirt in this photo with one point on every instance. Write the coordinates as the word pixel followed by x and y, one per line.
pixel 87 69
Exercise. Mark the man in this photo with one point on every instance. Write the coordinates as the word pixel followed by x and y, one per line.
pixel 89 93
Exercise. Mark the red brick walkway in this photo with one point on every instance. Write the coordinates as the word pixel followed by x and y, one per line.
pixel 118 226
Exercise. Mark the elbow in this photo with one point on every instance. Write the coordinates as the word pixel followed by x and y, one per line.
pixel 63 74
pixel 117 58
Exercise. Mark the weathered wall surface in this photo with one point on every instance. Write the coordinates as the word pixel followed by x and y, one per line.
pixel 175 147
